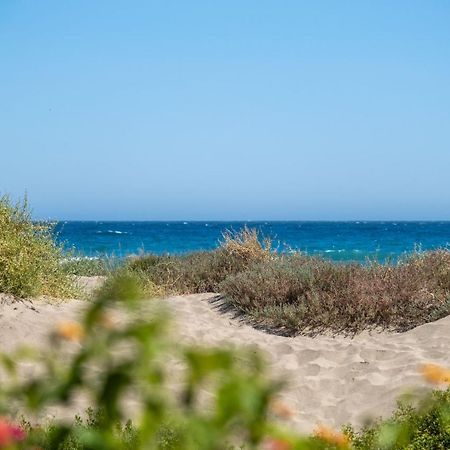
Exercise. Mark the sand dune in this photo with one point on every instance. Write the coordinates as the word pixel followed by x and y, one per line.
pixel 331 380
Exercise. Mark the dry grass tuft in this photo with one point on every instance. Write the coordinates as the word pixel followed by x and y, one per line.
pixel 247 245
pixel 203 271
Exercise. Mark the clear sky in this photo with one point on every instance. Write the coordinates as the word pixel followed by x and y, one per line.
pixel 226 110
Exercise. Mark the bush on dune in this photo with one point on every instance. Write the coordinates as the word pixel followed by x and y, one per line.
pixel 30 260
pixel 298 294
pixel 291 293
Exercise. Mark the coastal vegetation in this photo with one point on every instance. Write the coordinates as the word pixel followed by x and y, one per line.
pixel 282 292
pixel 78 265
pixel 204 271
pixel 419 427
pixel 30 259
pixel 292 293
pixel 297 294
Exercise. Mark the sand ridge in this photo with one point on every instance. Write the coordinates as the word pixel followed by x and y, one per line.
pixel 330 380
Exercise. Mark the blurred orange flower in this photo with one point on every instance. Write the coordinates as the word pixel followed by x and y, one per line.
pixel 107 320
pixel 331 436
pixel 435 374
pixel 276 444
pixel 10 433
pixel 281 409
pixel 72 331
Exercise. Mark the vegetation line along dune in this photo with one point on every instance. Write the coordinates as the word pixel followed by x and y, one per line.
pixel 292 293
pixel 284 292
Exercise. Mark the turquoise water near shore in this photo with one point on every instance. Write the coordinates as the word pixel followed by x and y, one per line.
pixel 340 241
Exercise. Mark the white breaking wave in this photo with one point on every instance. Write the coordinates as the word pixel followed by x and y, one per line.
pixel 112 232
pixel 80 258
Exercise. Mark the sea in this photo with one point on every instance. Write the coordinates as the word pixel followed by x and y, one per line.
pixel 357 241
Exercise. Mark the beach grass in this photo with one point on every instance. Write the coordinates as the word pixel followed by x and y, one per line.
pixel 30 259
pixel 203 271
pixel 78 265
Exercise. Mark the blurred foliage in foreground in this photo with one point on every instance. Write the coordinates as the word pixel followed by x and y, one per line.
pixel 112 361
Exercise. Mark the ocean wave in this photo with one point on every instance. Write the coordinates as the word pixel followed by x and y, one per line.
pixel 112 232
pixel 80 258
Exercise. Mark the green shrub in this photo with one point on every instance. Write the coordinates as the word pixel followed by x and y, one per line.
pixel 48 436
pixel 30 260
pixel 422 427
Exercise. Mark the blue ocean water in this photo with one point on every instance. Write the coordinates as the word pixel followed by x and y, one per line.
pixel 340 241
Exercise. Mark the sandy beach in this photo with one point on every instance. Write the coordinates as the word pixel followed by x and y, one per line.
pixel 330 380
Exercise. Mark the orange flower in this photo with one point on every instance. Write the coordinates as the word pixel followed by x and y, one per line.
pixel 72 331
pixel 435 374
pixel 9 433
pixel 281 409
pixel 331 436
pixel 107 321
pixel 277 444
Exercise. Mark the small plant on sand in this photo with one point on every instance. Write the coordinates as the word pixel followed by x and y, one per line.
pixel 89 267
pixel 30 260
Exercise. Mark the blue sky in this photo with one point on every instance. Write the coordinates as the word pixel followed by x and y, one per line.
pixel 226 110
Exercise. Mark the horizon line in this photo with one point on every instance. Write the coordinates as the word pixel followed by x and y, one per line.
pixel 244 220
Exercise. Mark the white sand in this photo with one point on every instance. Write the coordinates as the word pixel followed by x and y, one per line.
pixel 331 380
